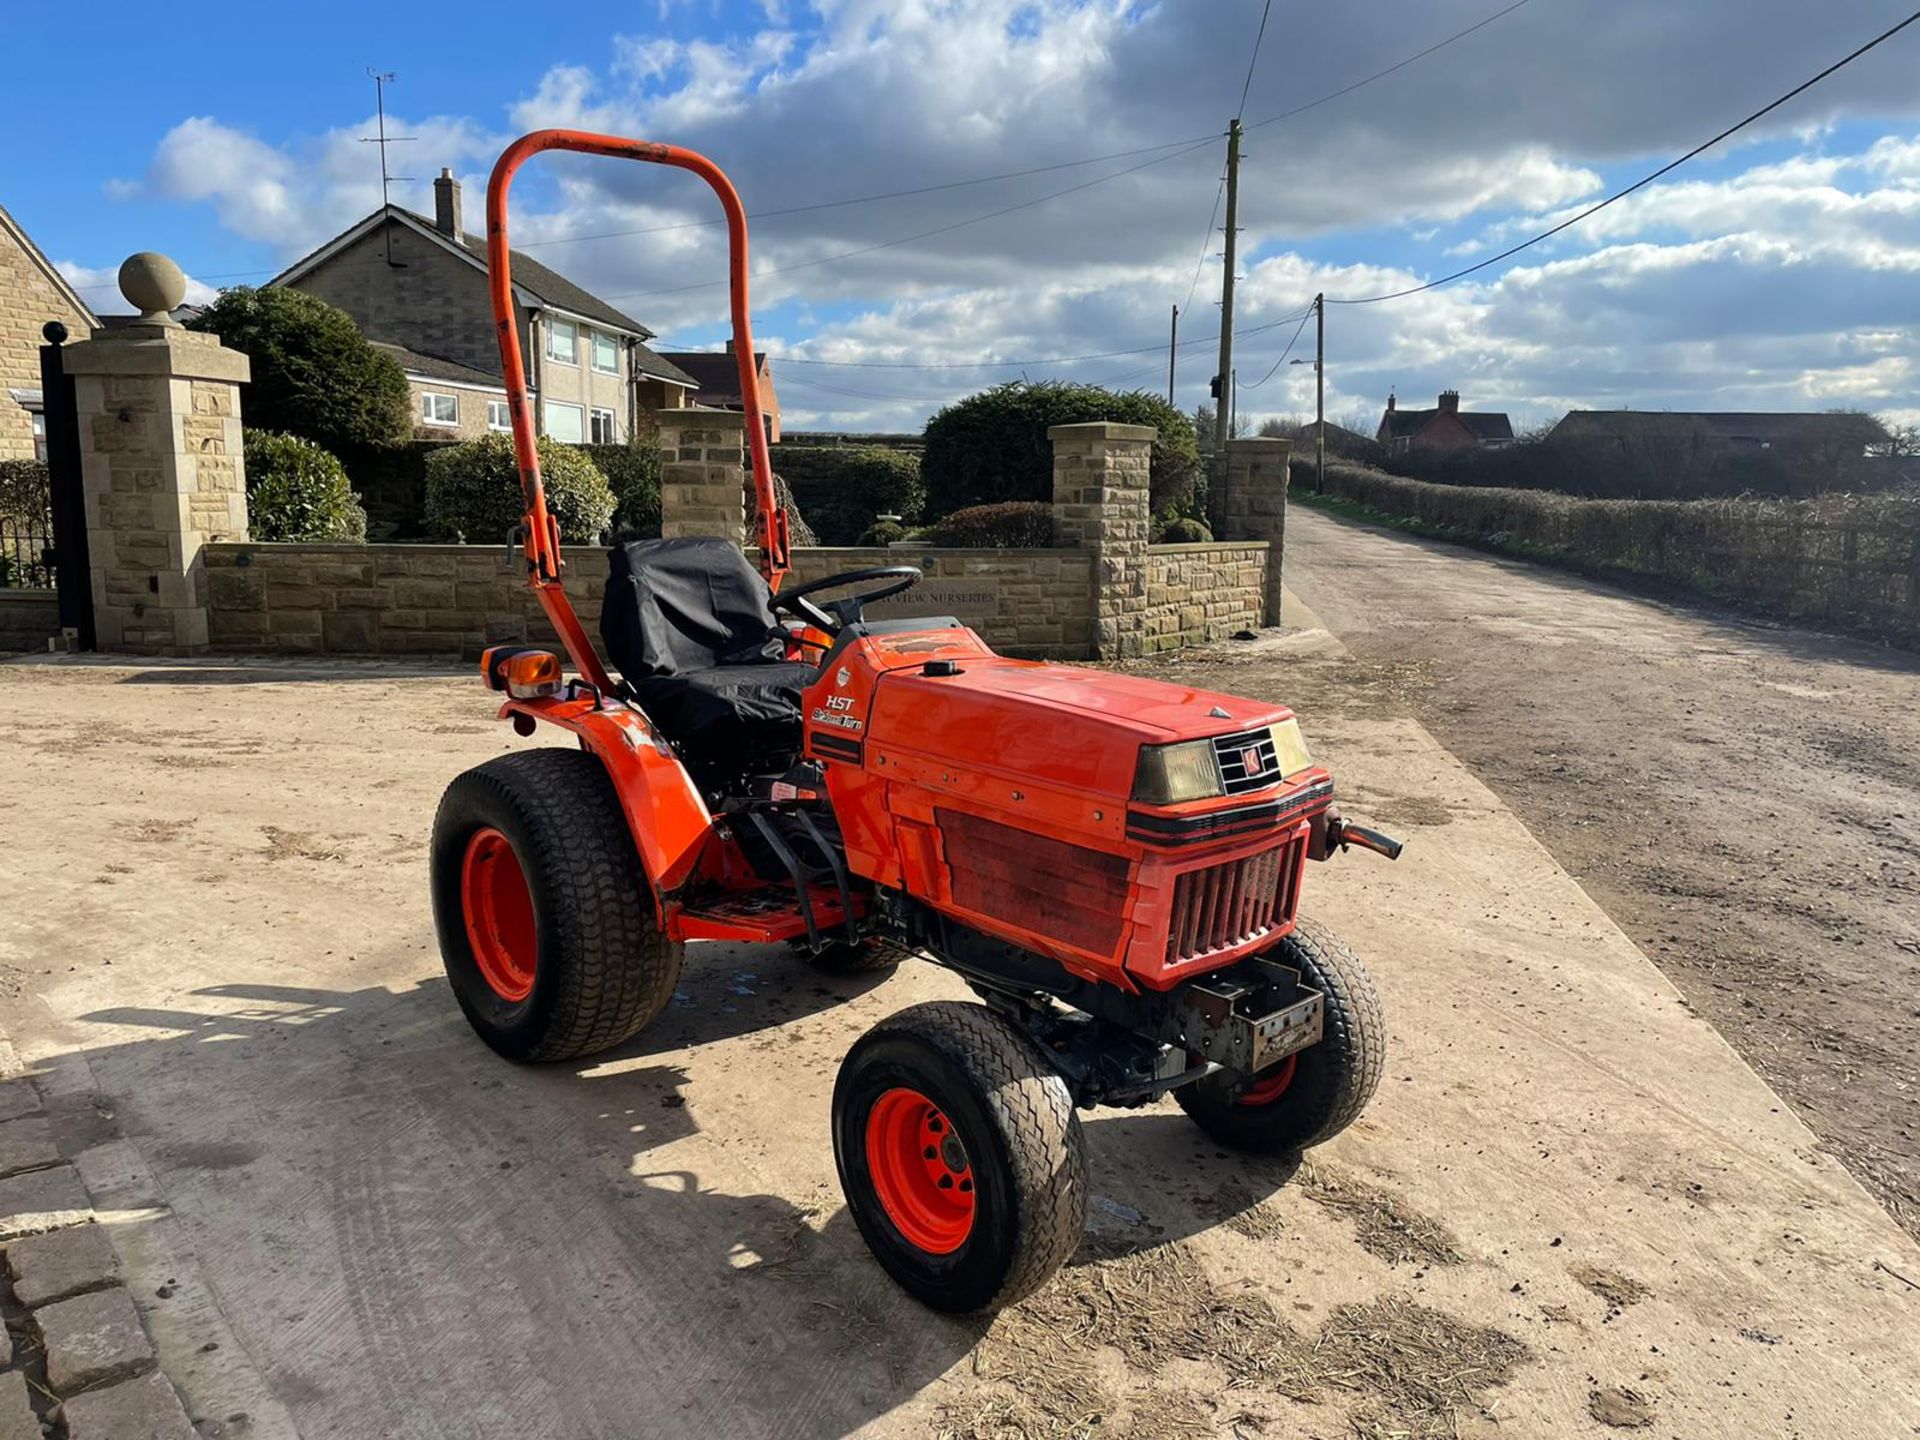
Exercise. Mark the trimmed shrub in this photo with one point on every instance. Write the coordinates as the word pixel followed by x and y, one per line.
pixel 473 491
pixel 633 474
pixel 1013 525
pixel 883 532
pixel 993 446
pixel 298 491
pixel 314 374
pixel 1181 530
pixel 862 483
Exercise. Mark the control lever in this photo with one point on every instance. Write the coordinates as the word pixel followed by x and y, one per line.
pixel 1343 833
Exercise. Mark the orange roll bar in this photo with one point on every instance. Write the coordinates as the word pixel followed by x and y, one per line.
pixel 542 539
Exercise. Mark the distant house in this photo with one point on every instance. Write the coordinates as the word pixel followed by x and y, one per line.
pixel 32 292
pixel 1740 429
pixel 1446 427
pixel 1349 444
pixel 718 376
pixel 418 288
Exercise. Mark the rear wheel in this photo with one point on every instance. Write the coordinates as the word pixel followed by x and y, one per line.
pixel 960 1156
pixel 1313 1095
pixel 546 924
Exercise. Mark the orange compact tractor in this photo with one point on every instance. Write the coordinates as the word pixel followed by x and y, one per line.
pixel 1113 865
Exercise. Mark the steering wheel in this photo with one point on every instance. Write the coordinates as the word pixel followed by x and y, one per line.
pixel 836 615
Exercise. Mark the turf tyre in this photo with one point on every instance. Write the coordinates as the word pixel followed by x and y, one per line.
pixel 1013 1112
pixel 603 967
pixel 1332 1080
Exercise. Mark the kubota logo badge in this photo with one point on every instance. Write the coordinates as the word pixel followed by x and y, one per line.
pixel 1250 762
pixel 843 676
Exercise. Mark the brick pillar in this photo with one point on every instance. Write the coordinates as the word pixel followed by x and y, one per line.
pixel 1100 502
pixel 703 475
pixel 160 465
pixel 1253 505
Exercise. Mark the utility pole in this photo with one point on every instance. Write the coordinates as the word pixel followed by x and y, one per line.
pixel 1173 349
pixel 1224 401
pixel 1320 393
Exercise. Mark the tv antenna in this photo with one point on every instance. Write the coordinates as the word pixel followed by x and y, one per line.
pixel 382 79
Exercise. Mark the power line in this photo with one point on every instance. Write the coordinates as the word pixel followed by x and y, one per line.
pixel 1254 59
pixel 918 235
pixel 1644 181
pixel 1382 74
pixel 1283 354
pixel 881 195
pixel 1206 244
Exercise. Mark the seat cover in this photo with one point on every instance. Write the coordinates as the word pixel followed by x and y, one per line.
pixel 678 605
pixel 689 624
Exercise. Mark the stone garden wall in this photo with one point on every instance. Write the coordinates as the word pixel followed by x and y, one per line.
pixel 1197 594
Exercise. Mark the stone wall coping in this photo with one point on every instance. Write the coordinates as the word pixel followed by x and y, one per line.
pixel 29 597
pixel 1206 547
pixel 181 354
pixel 698 417
pixel 1258 442
pixel 1101 430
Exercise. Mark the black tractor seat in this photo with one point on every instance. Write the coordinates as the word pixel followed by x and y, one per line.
pixel 689 624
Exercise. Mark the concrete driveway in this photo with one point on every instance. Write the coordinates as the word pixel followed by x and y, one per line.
pixel 1572 1207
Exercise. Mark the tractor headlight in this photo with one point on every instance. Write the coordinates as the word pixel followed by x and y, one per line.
pixel 1290 748
pixel 1169 774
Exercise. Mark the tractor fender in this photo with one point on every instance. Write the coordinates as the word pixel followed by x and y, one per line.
pixel 669 821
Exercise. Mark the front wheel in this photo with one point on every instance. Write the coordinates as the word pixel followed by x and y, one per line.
pixel 545 919
pixel 960 1156
pixel 1313 1095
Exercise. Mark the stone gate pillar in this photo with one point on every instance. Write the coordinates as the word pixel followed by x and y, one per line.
pixel 160 464
pixel 703 474
pixel 1100 502
pixel 1253 505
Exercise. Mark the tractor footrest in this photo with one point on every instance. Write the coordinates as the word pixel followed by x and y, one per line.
pixel 761 915
pixel 1252 1018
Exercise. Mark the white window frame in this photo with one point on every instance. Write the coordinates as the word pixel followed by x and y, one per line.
pixel 594 418
pixel 580 420
pixel 505 412
pixel 39 435
pixel 553 327
pixel 427 417
pixel 594 337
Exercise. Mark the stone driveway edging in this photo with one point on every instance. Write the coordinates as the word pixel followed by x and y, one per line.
pixel 70 1315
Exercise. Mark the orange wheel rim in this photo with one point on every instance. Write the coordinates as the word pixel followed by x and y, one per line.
pixel 499 914
pixel 921 1172
pixel 1272 1086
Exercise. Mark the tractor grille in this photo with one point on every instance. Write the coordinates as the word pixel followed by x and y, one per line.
pixel 1227 905
pixel 1068 892
pixel 1247 760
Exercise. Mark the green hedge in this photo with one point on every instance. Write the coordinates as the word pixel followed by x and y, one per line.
pixel 993 446
pixel 26 493
pixel 633 474
pixel 296 490
pixel 843 497
pixel 1012 525
pixel 473 491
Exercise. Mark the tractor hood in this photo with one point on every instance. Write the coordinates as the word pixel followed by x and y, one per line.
pixel 1060 724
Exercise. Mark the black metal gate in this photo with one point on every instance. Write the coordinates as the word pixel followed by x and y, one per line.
pixel 67 556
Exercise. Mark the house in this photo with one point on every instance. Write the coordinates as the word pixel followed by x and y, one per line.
pixel 1446 427
pixel 718 375
pixel 1801 432
pixel 417 287
pixel 32 292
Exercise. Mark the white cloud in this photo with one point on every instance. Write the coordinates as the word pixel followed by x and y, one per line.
pixel 1761 283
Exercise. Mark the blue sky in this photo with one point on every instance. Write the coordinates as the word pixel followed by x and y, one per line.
pixel 1777 273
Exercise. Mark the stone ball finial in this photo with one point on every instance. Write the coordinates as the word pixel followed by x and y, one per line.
pixel 153 285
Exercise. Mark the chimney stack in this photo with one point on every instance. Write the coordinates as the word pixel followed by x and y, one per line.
pixel 1391 402
pixel 446 207
pixel 1450 402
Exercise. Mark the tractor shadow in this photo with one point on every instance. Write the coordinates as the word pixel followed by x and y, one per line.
pixel 615 1247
